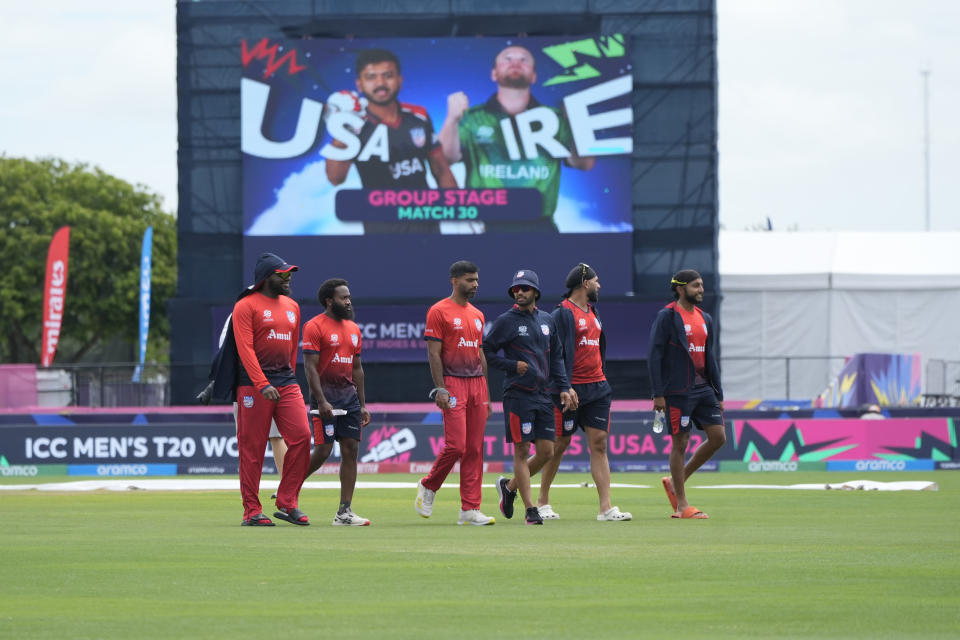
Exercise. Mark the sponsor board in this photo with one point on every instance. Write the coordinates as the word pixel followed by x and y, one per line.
pixel 32 470
pixel 879 465
pixel 122 469
pixel 755 466
pixel 206 469
pixel 950 464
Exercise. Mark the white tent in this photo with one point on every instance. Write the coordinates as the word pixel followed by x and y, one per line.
pixel 795 304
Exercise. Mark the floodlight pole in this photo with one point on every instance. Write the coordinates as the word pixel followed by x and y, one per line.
pixel 925 73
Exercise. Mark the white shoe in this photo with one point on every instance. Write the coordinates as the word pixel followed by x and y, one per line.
pixel 349 519
pixel 614 515
pixel 474 517
pixel 424 503
pixel 547 513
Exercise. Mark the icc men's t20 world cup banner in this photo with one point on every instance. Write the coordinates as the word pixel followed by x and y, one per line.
pixel 429 150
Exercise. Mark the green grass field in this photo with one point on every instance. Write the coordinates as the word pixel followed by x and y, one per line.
pixel 768 563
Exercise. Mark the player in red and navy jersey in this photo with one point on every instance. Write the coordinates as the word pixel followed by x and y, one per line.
pixel 685 378
pixel 266 327
pixel 584 345
pixel 454 336
pixel 401 136
pixel 331 358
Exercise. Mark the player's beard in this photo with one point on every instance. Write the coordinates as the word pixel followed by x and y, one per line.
pixel 390 98
pixel 341 312
pixel 278 289
pixel 592 296
pixel 694 298
pixel 515 82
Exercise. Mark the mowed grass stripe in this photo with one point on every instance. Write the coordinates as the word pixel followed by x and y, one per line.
pixel 768 563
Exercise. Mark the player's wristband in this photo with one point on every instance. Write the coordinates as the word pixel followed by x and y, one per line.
pixel 435 391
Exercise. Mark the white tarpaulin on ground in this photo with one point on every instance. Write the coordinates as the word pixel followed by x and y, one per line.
pixel 233 484
pixel 814 294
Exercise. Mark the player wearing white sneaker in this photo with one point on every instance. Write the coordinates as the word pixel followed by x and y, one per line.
pixel 581 336
pixel 474 517
pixel 613 514
pixel 454 337
pixel 348 518
pixel 547 512
pixel 424 503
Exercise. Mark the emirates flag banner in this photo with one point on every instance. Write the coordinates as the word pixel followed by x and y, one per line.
pixel 54 293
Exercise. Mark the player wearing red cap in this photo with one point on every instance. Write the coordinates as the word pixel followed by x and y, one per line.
pixel 266 326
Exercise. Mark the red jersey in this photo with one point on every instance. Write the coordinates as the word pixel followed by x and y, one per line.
pixel 267 331
pixel 460 330
pixel 587 363
pixel 696 329
pixel 337 343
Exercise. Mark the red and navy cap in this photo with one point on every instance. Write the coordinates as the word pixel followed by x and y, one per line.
pixel 268 264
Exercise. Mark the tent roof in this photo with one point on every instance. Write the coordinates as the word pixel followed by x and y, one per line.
pixel 867 252
pixel 839 259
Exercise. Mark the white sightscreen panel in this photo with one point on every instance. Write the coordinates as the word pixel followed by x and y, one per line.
pixel 907 322
pixel 760 328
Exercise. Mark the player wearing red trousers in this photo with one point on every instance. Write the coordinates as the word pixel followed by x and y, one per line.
pixel 454 335
pixel 266 326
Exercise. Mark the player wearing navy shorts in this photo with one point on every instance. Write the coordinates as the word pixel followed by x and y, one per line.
pixel 584 346
pixel 533 361
pixel 685 378
pixel 331 359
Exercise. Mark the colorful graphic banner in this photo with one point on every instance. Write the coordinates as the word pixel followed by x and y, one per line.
pixel 818 440
pixel 209 445
pixel 475 145
pixel 54 294
pixel 886 379
pixel 146 253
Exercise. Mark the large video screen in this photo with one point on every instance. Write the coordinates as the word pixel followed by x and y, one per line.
pixel 376 159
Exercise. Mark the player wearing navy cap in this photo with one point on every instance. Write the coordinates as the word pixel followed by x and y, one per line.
pixel 533 361
pixel 266 326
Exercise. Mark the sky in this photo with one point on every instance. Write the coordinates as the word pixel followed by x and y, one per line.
pixel 821 108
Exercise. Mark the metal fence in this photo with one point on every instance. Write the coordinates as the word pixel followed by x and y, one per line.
pixel 779 377
pixel 942 384
pixel 108 384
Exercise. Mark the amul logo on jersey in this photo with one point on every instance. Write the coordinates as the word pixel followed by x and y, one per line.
pixel 342 359
pixel 697 349
pixel 584 341
pixel 468 343
pixel 280 335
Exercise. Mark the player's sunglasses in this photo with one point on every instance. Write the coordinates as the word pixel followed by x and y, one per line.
pixel 521 287
pixel 284 275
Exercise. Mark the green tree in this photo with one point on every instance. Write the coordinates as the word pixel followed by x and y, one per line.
pixel 107 218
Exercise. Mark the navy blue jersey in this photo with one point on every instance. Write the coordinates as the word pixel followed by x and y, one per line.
pixel 410 140
pixel 531 337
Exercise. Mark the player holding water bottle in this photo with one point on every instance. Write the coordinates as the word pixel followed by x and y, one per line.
pixel 685 378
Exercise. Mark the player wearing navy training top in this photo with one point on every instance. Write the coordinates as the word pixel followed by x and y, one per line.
pixel 397 139
pixel 331 359
pixel 454 335
pixel 533 362
pixel 685 378
pixel 581 335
